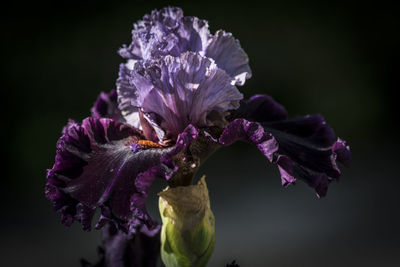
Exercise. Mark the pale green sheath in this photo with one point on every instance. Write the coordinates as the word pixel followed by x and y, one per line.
pixel 188 231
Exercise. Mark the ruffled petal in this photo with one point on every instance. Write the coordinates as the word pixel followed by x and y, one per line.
pixel 154 34
pixel 241 129
pixel 194 35
pixel 105 164
pixel 342 152
pixel 229 56
pixel 305 147
pixel 166 32
pixel 259 108
pixel 106 106
pixel 127 96
pixel 188 89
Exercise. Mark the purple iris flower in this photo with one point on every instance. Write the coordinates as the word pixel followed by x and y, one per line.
pixel 177 102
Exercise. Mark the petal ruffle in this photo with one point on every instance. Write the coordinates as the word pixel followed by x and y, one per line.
pixel 127 96
pixel 241 129
pixel 189 89
pixel 106 106
pixel 168 32
pixel 229 56
pixel 306 147
pixel 102 163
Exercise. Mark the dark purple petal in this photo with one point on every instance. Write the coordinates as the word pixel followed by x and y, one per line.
pixel 306 140
pixel 102 163
pixel 106 106
pixel 260 108
pixel 229 56
pixel 143 183
pixel 124 250
pixel 312 148
pixel 306 147
pixel 244 130
pixel 342 151
pixel 189 89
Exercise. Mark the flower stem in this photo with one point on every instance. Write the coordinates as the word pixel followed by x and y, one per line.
pixel 188 231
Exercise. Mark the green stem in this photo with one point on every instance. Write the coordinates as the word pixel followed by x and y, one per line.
pixel 188 231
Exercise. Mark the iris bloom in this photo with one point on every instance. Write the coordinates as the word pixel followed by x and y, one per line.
pixel 176 102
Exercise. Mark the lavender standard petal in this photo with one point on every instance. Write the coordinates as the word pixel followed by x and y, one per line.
pixel 168 32
pixel 127 96
pixel 229 56
pixel 96 167
pixel 307 148
pixel 188 89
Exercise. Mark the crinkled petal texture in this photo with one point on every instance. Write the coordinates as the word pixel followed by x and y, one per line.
pixel 177 91
pixel 304 147
pixel 168 32
pixel 105 164
pixel 229 56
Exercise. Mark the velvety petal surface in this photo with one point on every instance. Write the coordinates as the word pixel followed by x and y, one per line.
pixel 304 147
pixel 106 106
pixel 106 164
pixel 189 89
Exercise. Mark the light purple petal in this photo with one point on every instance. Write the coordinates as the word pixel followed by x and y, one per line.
pixel 168 32
pixel 184 90
pixel 102 163
pixel 229 56
pixel 127 96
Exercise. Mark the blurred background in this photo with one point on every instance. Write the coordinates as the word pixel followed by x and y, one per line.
pixel 337 60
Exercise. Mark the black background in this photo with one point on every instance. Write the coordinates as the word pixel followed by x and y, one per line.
pixel 340 60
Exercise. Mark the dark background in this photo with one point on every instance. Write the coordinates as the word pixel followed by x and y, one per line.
pixel 337 60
